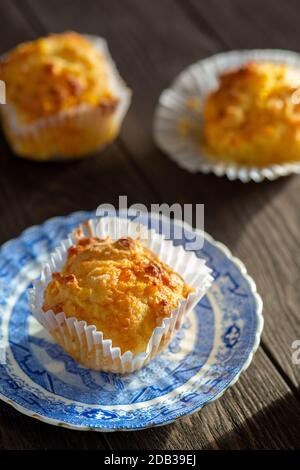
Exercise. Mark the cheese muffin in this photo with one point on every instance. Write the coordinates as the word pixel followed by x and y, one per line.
pixel 64 97
pixel 253 118
pixel 119 286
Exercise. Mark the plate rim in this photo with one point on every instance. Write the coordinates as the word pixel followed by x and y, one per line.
pixel 258 310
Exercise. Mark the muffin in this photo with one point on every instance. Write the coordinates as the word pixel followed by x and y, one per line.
pixel 253 118
pixel 114 304
pixel 119 286
pixel 64 98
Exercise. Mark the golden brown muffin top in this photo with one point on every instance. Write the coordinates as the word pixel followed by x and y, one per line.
pixel 120 286
pixel 54 74
pixel 255 108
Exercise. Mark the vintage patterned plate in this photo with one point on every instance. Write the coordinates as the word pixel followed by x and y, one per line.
pixel 214 346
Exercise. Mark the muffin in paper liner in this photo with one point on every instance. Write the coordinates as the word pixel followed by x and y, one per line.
pixel 72 133
pixel 179 116
pixel 83 342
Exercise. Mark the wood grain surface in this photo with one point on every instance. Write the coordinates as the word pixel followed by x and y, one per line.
pixel 151 43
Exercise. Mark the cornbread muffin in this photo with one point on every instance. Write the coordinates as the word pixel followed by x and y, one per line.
pixel 64 97
pixel 120 286
pixel 253 118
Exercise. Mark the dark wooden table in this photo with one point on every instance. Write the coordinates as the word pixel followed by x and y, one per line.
pixel 151 42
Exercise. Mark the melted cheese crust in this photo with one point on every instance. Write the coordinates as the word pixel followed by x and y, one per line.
pixel 54 74
pixel 254 115
pixel 120 286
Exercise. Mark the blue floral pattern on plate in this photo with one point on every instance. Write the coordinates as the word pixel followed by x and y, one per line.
pixel 215 344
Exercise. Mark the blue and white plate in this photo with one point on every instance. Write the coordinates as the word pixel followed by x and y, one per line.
pixel 215 345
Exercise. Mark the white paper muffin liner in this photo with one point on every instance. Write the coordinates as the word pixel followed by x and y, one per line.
pixel 195 83
pixel 84 342
pixel 82 117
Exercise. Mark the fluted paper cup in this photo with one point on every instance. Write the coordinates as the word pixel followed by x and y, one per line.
pixel 72 133
pixel 84 342
pixel 178 119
